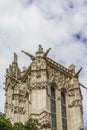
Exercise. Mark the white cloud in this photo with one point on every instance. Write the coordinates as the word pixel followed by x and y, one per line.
pixel 25 24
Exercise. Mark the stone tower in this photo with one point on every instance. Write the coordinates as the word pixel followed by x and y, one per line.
pixel 46 91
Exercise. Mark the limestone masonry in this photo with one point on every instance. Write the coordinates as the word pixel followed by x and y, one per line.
pixel 46 91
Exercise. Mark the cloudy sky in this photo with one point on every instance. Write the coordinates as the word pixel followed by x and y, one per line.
pixel 59 24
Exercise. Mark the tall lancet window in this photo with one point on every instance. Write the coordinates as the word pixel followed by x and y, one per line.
pixel 63 107
pixel 53 108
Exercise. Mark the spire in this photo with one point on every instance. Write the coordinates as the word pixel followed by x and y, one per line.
pixel 40 49
pixel 15 58
pixel 72 68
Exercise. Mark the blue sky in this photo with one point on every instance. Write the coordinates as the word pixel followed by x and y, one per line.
pixel 59 24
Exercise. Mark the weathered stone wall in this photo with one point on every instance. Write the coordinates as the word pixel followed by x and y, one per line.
pixel 28 93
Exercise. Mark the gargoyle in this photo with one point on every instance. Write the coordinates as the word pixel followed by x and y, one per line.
pixel 77 74
pixel 46 53
pixel 30 55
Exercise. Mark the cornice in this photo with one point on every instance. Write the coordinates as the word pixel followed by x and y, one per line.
pixel 59 67
pixel 53 64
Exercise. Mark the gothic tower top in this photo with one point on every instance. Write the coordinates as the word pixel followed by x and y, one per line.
pixel 39 53
pixel 46 91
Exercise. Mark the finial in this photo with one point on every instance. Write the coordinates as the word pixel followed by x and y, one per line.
pixel 72 68
pixel 15 58
pixel 40 49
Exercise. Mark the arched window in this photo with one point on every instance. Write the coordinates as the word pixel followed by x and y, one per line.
pixel 63 107
pixel 53 108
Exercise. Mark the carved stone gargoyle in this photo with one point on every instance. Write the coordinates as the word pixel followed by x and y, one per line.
pixel 30 55
pixel 77 74
pixel 40 50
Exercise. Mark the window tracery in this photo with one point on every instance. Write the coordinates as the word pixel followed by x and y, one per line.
pixel 53 108
pixel 63 109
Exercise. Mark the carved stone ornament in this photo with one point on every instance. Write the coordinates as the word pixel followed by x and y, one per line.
pixel 71 93
pixel 40 49
pixel 38 85
pixel 59 79
pixel 46 123
pixel 81 128
pixel 76 103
